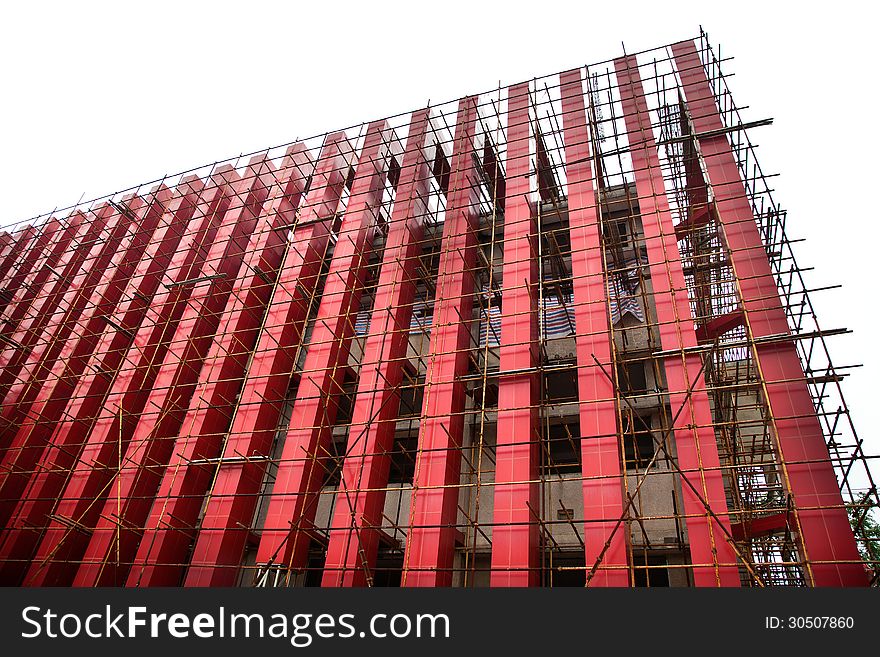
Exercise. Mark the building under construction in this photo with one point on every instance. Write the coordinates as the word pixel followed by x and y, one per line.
pixel 552 334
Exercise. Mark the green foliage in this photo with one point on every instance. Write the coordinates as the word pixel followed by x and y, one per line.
pixel 866 528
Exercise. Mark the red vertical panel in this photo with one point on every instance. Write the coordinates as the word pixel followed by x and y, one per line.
pixel 695 443
pixel 515 533
pixel 353 538
pixel 825 532
pixel 87 390
pixel 49 405
pixel 54 348
pixel 52 398
pixel 7 258
pixel 230 507
pixel 165 544
pixel 430 544
pixel 32 246
pixel 38 298
pixel 42 273
pixel 63 302
pixel 115 539
pixel 298 480
pixel 19 246
pixel 134 365
pixel 600 451
pixel 7 246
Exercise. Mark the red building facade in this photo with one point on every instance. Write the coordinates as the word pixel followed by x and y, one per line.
pixel 548 335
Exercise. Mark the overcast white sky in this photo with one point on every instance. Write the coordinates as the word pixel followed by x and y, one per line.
pixel 98 96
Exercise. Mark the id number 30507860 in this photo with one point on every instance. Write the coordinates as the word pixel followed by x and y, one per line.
pixel 809 623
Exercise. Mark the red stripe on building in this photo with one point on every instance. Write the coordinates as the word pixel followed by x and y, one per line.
pixel 430 546
pixel 515 533
pixel 825 531
pixel 50 400
pixel 165 544
pixel 357 518
pixel 67 436
pixel 605 540
pixel 233 498
pixel 53 346
pixel 43 338
pixel 35 306
pixel 712 553
pixel 43 275
pixel 56 401
pixel 33 245
pixel 7 248
pixel 292 506
pixel 21 240
pixel 107 435
pixel 116 536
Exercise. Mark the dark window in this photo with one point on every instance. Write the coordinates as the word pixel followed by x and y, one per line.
pixel 638 442
pixel 617 233
pixel 337 226
pixel 315 566
pixel 421 320
pixel 330 460
pixel 562 449
pixel 441 169
pixel 647 573
pixel 345 403
pixel 631 377
pixel 389 567
pixel 491 400
pixel 561 385
pixel 403 459
pixel 495 184
pixel 556 264
pixel 564 569
pixel 394 172
pixel 411 399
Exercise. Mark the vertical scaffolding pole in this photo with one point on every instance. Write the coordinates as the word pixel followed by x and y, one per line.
pixel 114 542
pixel 173 519
pixel 604 543
pixel 135 374
pixel 68 436
pixel 285 538
pixel 826 536
pixel 708 529
pixel 515 534
pixel 357 516
pixel 233 497
pixel 430 547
